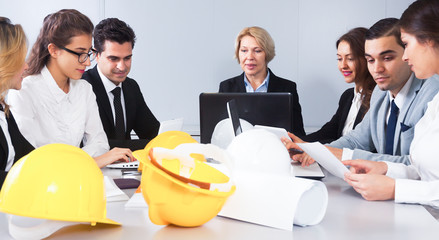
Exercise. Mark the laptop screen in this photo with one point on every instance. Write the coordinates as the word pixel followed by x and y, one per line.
pixel 268 109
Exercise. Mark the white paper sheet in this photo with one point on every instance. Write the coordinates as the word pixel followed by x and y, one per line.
pixel 171 125
pixel 323 156
pixel 279 132
pixel 276 201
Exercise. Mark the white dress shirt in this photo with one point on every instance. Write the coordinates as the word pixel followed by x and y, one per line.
pixel 46 114
pixel 353 112
pixel 110 86
pixel 419 182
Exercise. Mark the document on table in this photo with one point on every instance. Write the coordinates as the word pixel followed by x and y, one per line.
pixel 325 158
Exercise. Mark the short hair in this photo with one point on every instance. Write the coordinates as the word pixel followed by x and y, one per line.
pixel 421 19
pixel 112 29
pixel 262 37
pixel 58 28
pixel 384 28
pixel 13 49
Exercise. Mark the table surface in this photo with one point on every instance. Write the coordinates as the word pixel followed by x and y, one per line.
pixel 348 216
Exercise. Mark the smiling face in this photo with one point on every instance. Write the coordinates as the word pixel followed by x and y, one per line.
pixel 65 64
pixel 115 60
pixel 421 57
pixel 346 62
pixel 252 57
pixel 385 64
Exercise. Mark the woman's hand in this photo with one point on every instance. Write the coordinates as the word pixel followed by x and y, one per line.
pixel 368 179
pixel 296 153
pixel 372 187
pixel 366 166
pixel 115 154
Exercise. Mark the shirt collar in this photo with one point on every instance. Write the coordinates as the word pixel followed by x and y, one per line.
pixel 262 88
pixel 109 85
pixel 57 93
pixel 402 94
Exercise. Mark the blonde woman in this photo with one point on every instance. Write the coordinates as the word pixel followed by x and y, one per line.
pixel 254 49
pixel 13 48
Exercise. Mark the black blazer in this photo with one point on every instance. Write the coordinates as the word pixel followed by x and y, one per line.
pixel 138 116
pixel 333 129
pixel 21 146
pixel 275 84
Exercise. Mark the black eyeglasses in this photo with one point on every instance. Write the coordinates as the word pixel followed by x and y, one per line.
pixel 82 57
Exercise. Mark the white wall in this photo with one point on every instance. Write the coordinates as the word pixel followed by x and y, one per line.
pixel 185 47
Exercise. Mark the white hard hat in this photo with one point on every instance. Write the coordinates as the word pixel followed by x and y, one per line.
pixel 260 150
pixel 223 133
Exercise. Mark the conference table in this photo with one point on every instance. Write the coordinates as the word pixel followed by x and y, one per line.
pixel 348 216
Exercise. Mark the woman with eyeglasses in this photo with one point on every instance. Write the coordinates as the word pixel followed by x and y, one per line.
pixel 13 49
pixel 54 104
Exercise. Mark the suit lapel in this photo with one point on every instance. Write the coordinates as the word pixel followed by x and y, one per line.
pixel 411 96
pixel 273 83
pixel 382 122
pixel 102 97
pixel 3 150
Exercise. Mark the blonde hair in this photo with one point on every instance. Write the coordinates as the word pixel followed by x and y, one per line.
pixel 13 49
pixel 262 37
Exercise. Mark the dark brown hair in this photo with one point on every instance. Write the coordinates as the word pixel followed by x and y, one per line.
pixel 421 19
pixel 114 30
pixel 58 28
pixel 356 38
pixel 384 28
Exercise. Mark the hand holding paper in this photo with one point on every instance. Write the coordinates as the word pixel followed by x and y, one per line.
pixel 325 158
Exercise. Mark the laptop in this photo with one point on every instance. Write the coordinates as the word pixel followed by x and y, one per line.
pixel 312 171
pixel 268 109
pixel 169 125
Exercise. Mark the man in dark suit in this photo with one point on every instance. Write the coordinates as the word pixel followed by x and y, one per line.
pixel 121 104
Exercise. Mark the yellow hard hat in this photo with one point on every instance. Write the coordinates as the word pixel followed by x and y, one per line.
pixel 57 182
pixel 182 190
pixel 169 139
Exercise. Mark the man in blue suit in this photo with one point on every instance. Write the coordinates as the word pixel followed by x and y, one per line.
pixel 396 84
pixel 121 104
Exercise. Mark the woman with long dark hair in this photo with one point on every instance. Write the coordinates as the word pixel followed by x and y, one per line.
pixel 354 102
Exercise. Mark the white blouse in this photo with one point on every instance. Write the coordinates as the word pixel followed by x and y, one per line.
pixel 353 112
pixel 46 114
pixel 419 182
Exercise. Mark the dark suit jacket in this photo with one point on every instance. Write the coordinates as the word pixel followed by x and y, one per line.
pixel 333 129
pixel 138 116
pixel 275 84
pixel 21 146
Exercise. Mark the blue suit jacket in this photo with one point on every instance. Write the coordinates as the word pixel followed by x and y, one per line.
pixel 368 138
